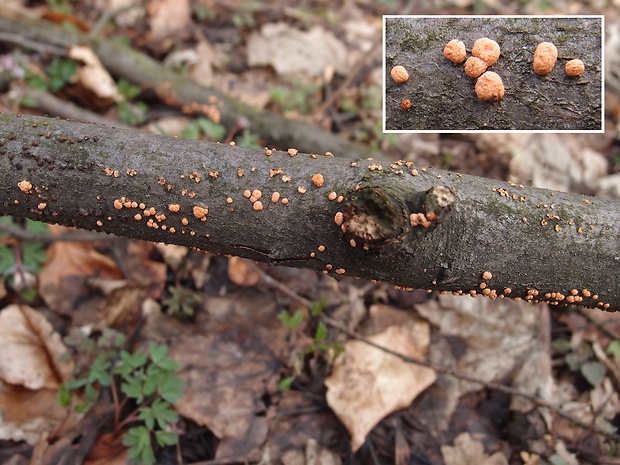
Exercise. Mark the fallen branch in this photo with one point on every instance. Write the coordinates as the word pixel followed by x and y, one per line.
pixel 411 226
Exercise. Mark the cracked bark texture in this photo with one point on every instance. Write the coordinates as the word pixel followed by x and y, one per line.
pixel 443 95
pixel 411 226
pixel 181 92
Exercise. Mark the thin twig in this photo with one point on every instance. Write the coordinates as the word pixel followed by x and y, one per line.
pixel 55 106
pixel 79 236
pixel 31 44
pixel 107 16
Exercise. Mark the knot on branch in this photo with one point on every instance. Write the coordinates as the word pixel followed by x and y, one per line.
pixel 437 202
pixel 372 215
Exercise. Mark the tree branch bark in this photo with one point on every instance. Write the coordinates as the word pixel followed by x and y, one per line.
pixel 411 226
pixel 444 96
pixel 182 92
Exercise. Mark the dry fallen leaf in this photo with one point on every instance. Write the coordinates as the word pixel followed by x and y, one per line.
pixel 31 368
pixel 314 454
pixel 229 368
pixel 169 17
pixel 121 305
pixel 468 451
pixel 224 386
pixel 367 383
pixel 31 350
pixel 241 272
pixel 68 265
pixel 92 74
pixel 290 50
pixel 26 414
pixel 172 254
pixel 504 340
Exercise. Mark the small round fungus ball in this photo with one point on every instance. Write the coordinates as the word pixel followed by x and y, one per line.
pixel 455 51
pixel 399 74
pixel 474 67
pixel 487 50
pixel 489 86
pixel 574 68
pixel 545 56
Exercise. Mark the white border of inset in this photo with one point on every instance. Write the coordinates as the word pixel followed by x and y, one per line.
pixel 519 131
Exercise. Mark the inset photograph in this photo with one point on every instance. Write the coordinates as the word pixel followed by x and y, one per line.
pixel 493 73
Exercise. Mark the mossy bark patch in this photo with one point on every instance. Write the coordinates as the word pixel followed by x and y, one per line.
pixel 444 97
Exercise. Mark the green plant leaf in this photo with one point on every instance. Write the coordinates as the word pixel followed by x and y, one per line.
pixel 593 372
pixel 561 346
pixel 127 89
pixel 170 387
pixel 158 352
pixel 148 417
pixel 60 73
pixel 7 259
pixel 291 321
pixel 91 393
pixel 33 256
pixel 210 129
pixel 82 407
pixel 63 396
pixel 138 441
pixel 138 359
pixel 321 332
pixel 76 383
pixel 248 139
pixel 132 387
pixel 35 80
pixel 614 349
pixel 168 365
pixel 165 438
pixel 286 383
pixel 160 412
pixel 317 307
pixel 37 227
pixel 191 131
pixel 150 384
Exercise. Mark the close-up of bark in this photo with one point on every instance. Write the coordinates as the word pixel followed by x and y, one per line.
pixel 443 95
pixel 409 225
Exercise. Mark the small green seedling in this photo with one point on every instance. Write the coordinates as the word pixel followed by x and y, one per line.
pixel 21 261
pixel 146 378
pixel 182 302
pixel 318 345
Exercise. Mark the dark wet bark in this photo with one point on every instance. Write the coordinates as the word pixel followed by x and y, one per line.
pixel 443 95
pixel 432 229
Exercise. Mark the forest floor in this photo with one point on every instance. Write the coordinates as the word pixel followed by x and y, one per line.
pixel 117 351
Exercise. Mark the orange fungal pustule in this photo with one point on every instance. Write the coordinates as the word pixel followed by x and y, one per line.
pixel 475 66
pixel 487 50
pixel 455 51
pixel 574 68
pixel 399 74
pixel 545 56
pixel 490 87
